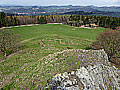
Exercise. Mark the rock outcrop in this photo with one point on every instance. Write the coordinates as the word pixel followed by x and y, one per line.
pixel 95 73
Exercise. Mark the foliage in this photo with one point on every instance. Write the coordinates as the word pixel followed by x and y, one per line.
pixel 101 21
pixel 6 21
pixel 2 19
pixel 109 41
pixel 8 42
pixel 72 20
pixel 118 28
pixel 42 20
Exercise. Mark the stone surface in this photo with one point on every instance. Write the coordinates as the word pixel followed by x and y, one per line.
pixel 95 74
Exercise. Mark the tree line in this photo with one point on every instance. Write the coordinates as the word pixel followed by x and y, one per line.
pixel 101 21
pixel 72 20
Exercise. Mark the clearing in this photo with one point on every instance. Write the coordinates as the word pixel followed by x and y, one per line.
pixel 29 69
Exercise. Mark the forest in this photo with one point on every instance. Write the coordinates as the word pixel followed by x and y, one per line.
pixel 72 20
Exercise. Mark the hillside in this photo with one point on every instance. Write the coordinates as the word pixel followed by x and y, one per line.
pixel 94 72
pixel 58 10
pixel 94 13
pixel 29 68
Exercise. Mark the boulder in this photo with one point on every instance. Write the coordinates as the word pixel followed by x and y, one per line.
pixel 99 75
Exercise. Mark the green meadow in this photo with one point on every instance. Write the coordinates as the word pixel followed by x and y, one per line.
pixel 38 61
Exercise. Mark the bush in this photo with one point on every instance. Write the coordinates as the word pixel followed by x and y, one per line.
pixel 110 42
pixel 9 42
pixel 118 28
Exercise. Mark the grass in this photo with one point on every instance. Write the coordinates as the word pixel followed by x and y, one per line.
pixel 30 68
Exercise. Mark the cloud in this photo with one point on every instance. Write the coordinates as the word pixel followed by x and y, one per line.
pixel 117 3
pixel 61 2
pixel 115 0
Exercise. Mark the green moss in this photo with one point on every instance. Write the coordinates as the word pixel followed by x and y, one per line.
pixel 109 78
pixel 78 64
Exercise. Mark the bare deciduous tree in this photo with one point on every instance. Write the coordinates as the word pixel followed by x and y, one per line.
pixel 109 41
pixel 9 42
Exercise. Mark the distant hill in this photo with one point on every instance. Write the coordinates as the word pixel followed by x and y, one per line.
pixel 58 10
pixel 97 13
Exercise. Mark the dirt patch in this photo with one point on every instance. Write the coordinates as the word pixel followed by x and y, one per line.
pixel 19 26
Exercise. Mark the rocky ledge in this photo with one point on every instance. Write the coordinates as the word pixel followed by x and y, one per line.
pixel 95 74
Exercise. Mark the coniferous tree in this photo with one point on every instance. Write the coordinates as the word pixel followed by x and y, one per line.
pixel 42 20
pixel 2 19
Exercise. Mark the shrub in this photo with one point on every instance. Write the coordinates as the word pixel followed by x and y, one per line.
pixel 118 28
pixel 9 42
pixel 109 41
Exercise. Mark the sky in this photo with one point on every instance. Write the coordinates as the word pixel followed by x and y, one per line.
pixel 61 2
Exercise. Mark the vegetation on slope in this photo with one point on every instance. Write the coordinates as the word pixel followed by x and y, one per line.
pixel 110 42
pixel 28 69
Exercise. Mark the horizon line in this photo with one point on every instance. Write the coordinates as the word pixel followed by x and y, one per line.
pixel 62 5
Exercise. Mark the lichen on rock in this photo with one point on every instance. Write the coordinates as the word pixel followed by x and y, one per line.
pixel 95 73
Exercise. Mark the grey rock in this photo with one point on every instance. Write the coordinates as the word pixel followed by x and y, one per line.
pixel 99 75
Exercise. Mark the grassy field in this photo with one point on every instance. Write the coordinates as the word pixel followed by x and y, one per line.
pixel 29 68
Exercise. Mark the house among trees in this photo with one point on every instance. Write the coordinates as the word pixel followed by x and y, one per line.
pixel 87 25
pixel 93 25
pixel 72 20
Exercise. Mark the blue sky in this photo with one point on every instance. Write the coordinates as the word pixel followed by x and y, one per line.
pixel 62 2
